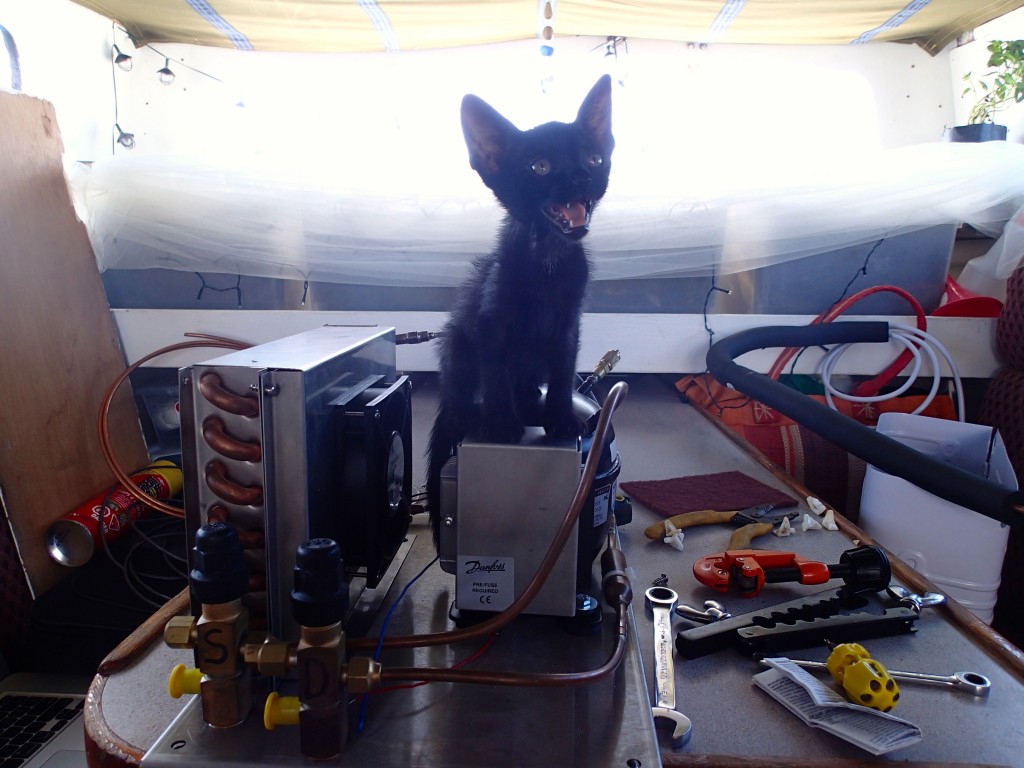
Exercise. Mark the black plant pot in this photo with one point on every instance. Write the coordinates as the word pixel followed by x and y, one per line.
pixel 975 132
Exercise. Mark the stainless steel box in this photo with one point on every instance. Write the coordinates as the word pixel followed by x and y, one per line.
pixel 260 446
pixel 510 502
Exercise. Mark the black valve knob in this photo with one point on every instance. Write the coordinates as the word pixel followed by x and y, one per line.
pixel 320 593
pixel 219 573
pixel 863 568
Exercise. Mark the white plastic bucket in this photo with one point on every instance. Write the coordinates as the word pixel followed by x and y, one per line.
pixel 960 550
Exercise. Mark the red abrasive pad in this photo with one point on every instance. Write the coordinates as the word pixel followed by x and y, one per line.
pixel 722 491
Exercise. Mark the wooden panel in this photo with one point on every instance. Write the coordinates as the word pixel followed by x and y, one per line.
pixel 59 348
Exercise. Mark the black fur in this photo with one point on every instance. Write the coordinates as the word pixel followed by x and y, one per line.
pixel 515 325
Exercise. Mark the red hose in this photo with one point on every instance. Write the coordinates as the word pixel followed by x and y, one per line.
pixel 872 386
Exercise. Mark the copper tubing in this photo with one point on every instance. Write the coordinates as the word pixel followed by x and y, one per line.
pixel 229 490
pixel 526 679
pixel 212 388
pixel 203 340
pixel 484 628
pixel 617 591
pixel 254 539
pixel 218 513
pixel 216 435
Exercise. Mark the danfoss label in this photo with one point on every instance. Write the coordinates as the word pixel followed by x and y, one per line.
pixel 484 582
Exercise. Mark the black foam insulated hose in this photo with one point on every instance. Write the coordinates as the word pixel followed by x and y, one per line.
pixel 943 480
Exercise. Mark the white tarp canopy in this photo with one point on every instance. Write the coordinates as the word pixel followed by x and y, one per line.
pixel 376 25
pixel 178 213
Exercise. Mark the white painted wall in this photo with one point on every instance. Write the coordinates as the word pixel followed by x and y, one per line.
pixel 65 59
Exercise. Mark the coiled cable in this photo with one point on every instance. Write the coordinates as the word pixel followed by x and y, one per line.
pixel 916 342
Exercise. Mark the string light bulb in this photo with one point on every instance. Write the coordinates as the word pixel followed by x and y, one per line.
pixel 126 140
pixel 165 73
pixel 123 60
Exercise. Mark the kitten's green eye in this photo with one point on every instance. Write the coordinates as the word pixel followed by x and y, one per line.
pixel 541 167
pixel 595 160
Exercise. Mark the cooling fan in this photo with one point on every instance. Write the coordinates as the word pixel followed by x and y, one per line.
pixel 374 430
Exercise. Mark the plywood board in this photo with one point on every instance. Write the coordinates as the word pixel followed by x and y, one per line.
pixel 59 348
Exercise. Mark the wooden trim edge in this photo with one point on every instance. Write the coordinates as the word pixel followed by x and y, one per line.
pixel 144 635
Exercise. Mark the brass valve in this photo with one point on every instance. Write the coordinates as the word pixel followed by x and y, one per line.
pixel 362 674
pixel 319 598
pixel 222 678
pixel 272 658
pixel 180 633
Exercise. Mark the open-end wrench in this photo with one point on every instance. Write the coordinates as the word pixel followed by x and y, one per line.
pixel 662 600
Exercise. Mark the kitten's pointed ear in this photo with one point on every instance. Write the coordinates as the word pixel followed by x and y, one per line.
pixel 595 114
pixel 487 134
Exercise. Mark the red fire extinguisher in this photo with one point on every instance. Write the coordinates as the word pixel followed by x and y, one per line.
pixel 72 539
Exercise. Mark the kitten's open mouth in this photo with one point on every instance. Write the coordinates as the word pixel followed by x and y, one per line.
pixel 573 218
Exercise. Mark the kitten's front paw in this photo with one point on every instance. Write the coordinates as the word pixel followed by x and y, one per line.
pixel 504 429
pixel 563 425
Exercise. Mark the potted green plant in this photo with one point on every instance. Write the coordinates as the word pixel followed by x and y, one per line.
pixel 995 90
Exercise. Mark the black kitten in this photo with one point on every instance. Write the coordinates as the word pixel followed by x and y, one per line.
pixel 516 323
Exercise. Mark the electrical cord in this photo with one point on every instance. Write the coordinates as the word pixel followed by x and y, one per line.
pixel 458 665
pixel 897 365
pixel 102 426
pixel 384 629
pixel 134 580
pixel 484 628
pixel 915 341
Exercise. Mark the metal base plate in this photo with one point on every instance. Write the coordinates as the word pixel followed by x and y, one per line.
pixel 607 723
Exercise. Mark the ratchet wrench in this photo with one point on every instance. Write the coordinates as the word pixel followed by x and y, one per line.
pixel 662 600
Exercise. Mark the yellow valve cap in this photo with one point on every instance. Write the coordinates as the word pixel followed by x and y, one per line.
pixel 869 684
pixel 843 656
pixel 183 680
pixel 280 710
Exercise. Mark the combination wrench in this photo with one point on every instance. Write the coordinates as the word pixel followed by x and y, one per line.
pixel 969 682
pixel 662 600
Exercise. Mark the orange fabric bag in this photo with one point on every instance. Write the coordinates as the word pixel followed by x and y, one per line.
pixel 834 475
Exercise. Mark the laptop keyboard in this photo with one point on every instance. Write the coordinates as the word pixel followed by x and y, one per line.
pixel 29 722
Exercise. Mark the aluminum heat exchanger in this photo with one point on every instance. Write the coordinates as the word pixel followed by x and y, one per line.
pixel 304 437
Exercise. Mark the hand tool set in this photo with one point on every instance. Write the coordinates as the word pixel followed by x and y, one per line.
pixel 864 605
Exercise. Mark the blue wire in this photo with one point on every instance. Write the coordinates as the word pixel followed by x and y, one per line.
pixel 383 629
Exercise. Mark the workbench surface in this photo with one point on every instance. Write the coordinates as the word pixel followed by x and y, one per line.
pixel 734 723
